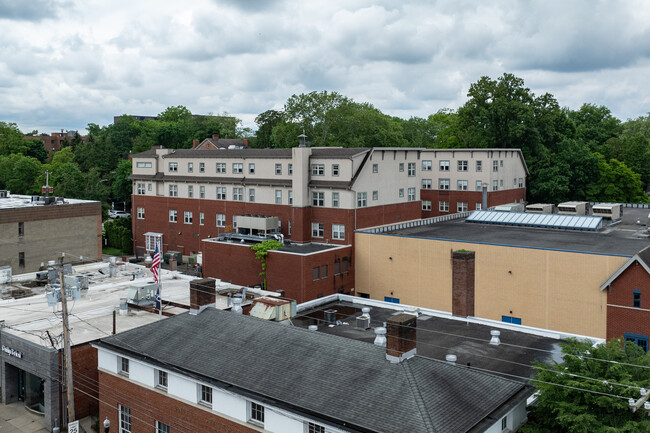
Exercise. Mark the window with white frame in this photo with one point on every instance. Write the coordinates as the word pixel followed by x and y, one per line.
pixel 479 206
pixel 201 192
pixel 125 419
pixel 148 187
pixel 495 165
pixel 278 169
pixel 151 240
pixel 411 194
pixel 140 213
pixel 479 165
pixel 237 167
pixel 375 168
pixel 443 206
pixel 143 165
pixel 427 165
pixel 251 168
pixel 278 196
pixel 173 216
pixel 401 167
pixel 221 220
pixel 190 167
pixel 161 379
pixel 444 165
pixel 201 218
pixel 501 163
pixel 362 199
pixel 187 217
pixel 317 230
pixel 221 193
pixel 401 193
pixel 251 195
pixel 161 427
pixel 221 167
pixel 335 169
pixel 173 190
pixel 427 184
pixel 201 167
pixel 462 206
pixel 140 188
pixel 238 194
pixel 500 182
pixel 426 204
pixel 314 428
pixel 462 185
pixel 514 182
pixel 123 365
pixel 289 227
pixel 338 231
pixel 375 195
pixel 290 197
pixel 335 199
pixel 256 413
pixel 290 168
pixel 443 184
pixel 234 221
pixel 462 165
pixel 173 167
pixel 190 191
pixel 521 182
pixel 479 185
pixel 495 185
pixel 205 395
pixel 411 169
pixel 318 169
pixel 317 198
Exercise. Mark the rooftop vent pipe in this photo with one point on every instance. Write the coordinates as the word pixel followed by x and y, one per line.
pixel 495 340
pixel 380 336
pixel 236 305
pixel 450 358
pixel 313 327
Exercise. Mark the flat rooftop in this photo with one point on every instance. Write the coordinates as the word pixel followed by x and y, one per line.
pixel 439 334
pixel 15 201
pixel 293 248
pixel 624 238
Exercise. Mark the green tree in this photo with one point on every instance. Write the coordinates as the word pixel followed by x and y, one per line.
pixel 20 174
pixel 68 180
pixel 261 250
pixel 36 149
pixel 121 183
pixel 11 139
pixel 616 183
pixel 588 391
pixel 595 125
pixel 118 234
pixel 361 125
pixel 265 123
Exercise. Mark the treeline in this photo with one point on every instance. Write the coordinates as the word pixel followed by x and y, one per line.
pixel 586 154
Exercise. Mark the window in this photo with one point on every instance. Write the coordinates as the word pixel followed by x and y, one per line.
pixel 411 169
pixel 173 190
pixel 338 231
pixel 462 165
pixel 251 168
pixel 479 165
pixel 401 167
pixel 636 298
pixel 462 185
pixel 375 195
pixel 187 217
pixel 344 265
pixel 501 182
pixel 234 221
pixel 426 204
pixel 317 230
pixel 21 259
pixel 290 197
pixel 201 167
pixel 190 167
pixel 278 168
pixel 521 182
pixel 317 169
pixel 335 199
pixel 461 206
pixel 125 419
pixel 140 213
pixel 314 273
pixel 140 188
pixel 335 169
pixel 323 272
pixel 201 218
pixel 21 229
pixel 479 206
pixel 221 167
pixel 124 365
pixel 190 191
pixel 161 379
pixel 362 199
pixel 205 395
pixel 639 340
pixel 238 194
pixel 161 427
pixel 173 167
pixel 426 165
pixel 337 267
pixel 401 193
pixel 173 216
pixel 443 206
pixel 495 185
pixel 221 193
pixel 427 184
pixel 201 192
pixel 479 185
pixel 504 423
pixel 278 196
pixel 237 167
pixel 444 165
pixel 290 168
pixel 443 184
pixel 375 168
pixel 411 194
pixel 221 220
pixel 315 428
pixel 513 320
pixel 251 195
pixel 514 182
pixel 143 164
pixel 501 163
pixel 153 240
pixel 148 187
pixel 495 165
pixel 289 227
pixel 318 199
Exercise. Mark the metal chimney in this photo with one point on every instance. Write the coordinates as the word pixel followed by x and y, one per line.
pixel 236 305
pixel 495 340
pixel 380 339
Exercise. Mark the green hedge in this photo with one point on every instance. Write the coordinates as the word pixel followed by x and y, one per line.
pixel 118 234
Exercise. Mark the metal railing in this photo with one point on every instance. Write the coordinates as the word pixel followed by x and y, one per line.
pixel 415 223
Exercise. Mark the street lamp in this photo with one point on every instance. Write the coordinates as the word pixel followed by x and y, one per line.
pixel 107 425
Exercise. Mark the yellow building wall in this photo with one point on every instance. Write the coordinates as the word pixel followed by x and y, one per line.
pixel 546 289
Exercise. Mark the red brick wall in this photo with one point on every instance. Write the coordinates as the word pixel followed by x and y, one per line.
pixel 633 320
pixel 462 283
pixel 148 406
pixel 231 262
pixel 85 376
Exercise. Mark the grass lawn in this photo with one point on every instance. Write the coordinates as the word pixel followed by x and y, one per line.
pixel 110 251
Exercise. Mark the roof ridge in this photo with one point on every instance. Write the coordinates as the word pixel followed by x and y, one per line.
pixel 417 396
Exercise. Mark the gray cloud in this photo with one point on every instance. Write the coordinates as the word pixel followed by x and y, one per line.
pixel 32 10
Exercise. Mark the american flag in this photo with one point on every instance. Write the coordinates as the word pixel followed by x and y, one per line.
pixel 155 266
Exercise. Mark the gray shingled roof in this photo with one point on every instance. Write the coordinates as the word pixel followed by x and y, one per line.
pixel 335 379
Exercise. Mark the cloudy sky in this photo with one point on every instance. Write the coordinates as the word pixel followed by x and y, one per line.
pixel 67 63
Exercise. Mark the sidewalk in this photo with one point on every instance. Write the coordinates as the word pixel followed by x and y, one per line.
pixel 14 418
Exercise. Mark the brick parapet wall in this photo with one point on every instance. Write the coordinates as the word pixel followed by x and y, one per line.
pixel 50 212
pixel 463 265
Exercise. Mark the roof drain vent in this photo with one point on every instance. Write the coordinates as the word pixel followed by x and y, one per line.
pixel 313 327
pixel 495 340
pixel 380 339
pixel 450 358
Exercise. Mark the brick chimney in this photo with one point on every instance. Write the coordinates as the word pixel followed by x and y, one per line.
pixel 202 295
pixel 215 137
pixel 195 143
pixel 462 283
pixel 246 142
pixel 400 337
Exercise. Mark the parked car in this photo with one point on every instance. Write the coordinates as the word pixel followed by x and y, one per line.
pixel 118 214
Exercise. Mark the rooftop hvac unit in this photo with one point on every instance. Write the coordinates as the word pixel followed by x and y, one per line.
pixel 4 193
pixel 363 322
pixel 42 275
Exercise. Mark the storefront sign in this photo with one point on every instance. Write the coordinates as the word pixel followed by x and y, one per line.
pixel 12 352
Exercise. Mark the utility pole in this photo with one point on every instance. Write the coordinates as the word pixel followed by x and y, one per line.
pixel 67 354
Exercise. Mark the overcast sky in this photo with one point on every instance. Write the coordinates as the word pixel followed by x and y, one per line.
pixel 67 63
